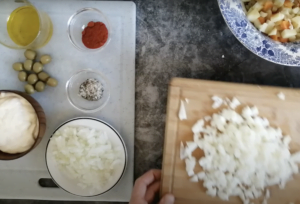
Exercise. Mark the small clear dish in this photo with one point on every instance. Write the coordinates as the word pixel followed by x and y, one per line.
pixel 72 88
pixel 79 21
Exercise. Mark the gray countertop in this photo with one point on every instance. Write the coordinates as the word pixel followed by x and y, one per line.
pixel 184 38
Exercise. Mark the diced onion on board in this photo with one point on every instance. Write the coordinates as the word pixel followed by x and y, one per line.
pixel 244 155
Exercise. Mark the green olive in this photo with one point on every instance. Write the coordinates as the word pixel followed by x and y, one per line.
pixel 32 79
pixel 39 86
pixel 28 65
pixel 45 59
pixel 18 66
pixel 29 54
pixel 43 76
pixel 52 82
pixel 37 67
pixel 29 89
pixel 22 76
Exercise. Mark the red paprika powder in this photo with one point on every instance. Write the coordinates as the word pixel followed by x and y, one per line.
pixel 94 35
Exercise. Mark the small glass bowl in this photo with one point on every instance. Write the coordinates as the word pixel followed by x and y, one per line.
pixel 72 88
pixel 78 22
pixel 45 28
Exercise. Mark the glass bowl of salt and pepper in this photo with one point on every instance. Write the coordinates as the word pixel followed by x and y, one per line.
pixel 88 91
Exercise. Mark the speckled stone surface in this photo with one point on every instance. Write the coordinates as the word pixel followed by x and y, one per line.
pixel 184 38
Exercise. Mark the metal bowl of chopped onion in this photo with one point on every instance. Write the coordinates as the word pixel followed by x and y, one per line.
pixel 86 157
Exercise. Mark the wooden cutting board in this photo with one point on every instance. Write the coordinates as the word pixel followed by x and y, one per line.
pixel 196 95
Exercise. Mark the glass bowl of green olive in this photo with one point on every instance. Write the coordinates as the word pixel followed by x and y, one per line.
pixel 88 90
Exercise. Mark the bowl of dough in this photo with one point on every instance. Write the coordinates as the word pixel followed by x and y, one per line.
pixel 22 124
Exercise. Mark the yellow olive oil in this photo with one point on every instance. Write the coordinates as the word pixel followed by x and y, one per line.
pixel 23 25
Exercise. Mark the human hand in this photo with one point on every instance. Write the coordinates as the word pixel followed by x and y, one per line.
pixel 146 187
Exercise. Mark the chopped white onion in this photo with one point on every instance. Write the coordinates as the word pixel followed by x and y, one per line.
pixel 244 155
pixel 194 179
pixel 234 103
pixel 281 96
pixel 217 102
pixel 87 155
pixel 182 111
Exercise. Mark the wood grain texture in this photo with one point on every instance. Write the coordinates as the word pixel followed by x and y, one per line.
pixel 284 114
pixel 42 126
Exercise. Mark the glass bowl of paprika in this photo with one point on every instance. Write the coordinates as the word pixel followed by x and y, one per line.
pixel 89 30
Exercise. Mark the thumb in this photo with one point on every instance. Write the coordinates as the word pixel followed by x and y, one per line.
pixel 167 199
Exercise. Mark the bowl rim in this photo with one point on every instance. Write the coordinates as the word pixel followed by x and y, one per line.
pixel 108 125
pixel 102 77
pixel 42 130
pixel 107 24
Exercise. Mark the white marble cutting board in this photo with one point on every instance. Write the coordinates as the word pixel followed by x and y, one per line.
pixel 19 178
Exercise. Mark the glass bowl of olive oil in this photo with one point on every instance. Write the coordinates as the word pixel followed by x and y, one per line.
pixel 23 26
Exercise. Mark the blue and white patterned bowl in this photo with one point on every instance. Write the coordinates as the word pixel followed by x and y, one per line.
pixel 254 40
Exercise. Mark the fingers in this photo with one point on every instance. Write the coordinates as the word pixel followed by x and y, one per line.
pixel 167 199
pixel 149 177
pixel 151 191
pixel 141 184
pixel 137 201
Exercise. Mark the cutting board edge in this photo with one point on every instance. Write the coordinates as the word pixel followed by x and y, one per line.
pixel 183 87
pixel 167 182
pixel 194 83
